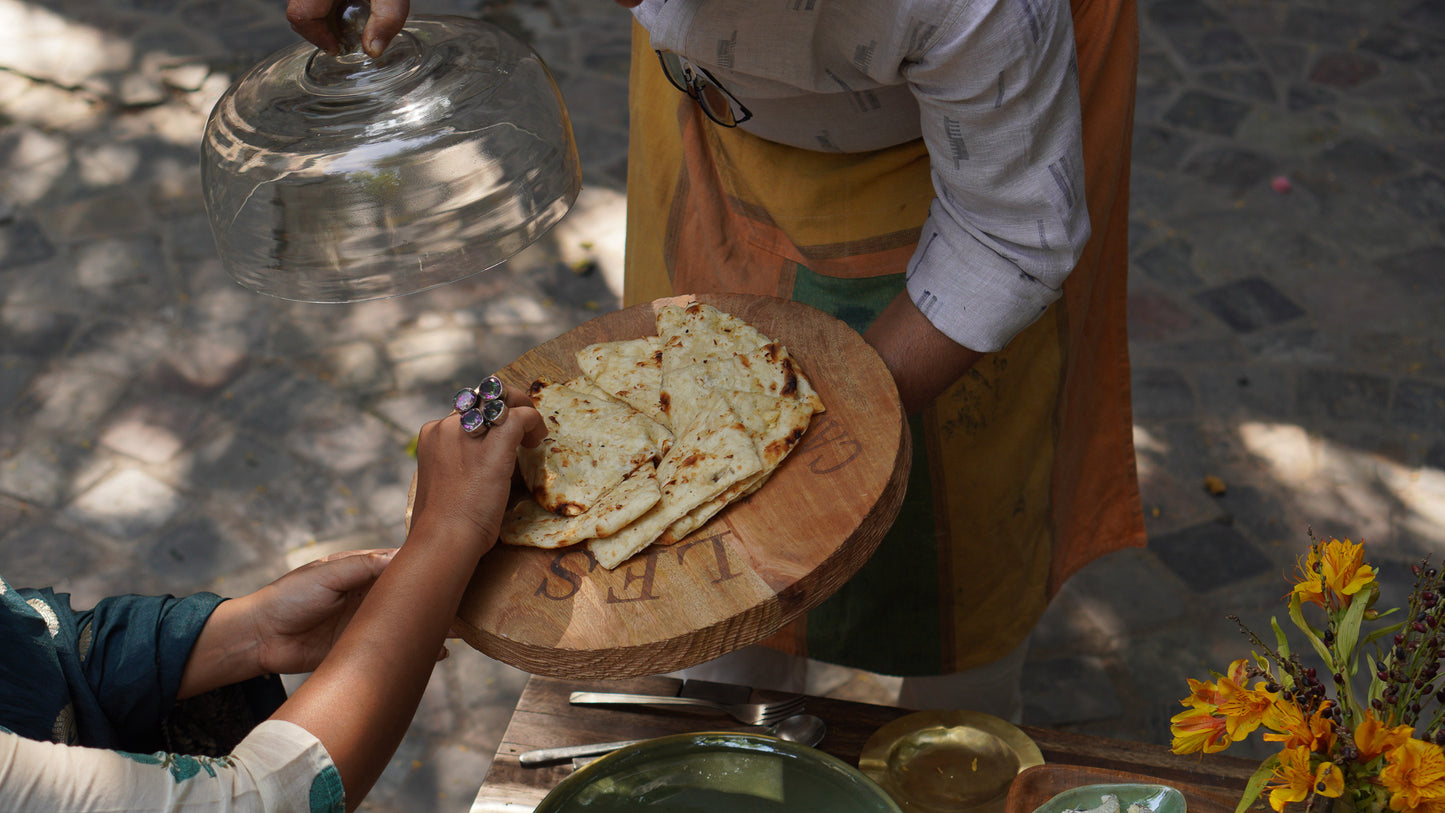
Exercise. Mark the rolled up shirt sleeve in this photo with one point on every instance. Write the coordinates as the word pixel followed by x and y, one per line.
pixel 999 106
pixel 278 767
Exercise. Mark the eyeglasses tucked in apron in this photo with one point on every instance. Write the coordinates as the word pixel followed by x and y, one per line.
pixel 704 88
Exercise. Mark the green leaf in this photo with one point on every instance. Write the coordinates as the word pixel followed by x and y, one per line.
pixel 1298 617
pixel 1281 643
pixel 1282 649
pixel 1255 786
pixel 1377 686
pixel 1376 635
pixel 1347 635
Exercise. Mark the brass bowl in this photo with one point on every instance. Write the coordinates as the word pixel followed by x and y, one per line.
pixel 948 760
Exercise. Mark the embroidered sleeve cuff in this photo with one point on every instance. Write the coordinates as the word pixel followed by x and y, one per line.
pixel 288 762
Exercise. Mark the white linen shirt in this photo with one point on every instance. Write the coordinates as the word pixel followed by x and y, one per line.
pixel 990 85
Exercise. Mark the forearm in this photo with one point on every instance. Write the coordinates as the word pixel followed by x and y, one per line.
pixel 226 651
pixel 923 360
pixel 361 699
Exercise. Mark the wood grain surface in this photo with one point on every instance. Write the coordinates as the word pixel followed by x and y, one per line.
pixel 741 577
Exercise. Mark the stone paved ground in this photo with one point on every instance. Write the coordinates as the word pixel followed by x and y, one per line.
pixel 163 430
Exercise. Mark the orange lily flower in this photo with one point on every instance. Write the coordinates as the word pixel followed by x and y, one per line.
pixel 1337 568
pixel 1414 775
pixel 1243 709
pixel 1294 779
pixel 1198 730
pixel 1310 586
pixel 1374 738
pixel 1294 729
pixel 1345 571
pixel 1202 695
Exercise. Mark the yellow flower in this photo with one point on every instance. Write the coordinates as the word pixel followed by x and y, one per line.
pixel 1311 585
pixel 1294 729
pixel 1345 570
pixel 1334 567
pixel 1373 738
pixel 1198 729
pixel 1202 695
pixel 1414 775
pixel 1243 709
pixel 1293 780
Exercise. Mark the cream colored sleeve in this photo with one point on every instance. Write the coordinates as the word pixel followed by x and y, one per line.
pixel 279 766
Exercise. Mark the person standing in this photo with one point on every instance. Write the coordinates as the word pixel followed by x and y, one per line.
pixel 951 180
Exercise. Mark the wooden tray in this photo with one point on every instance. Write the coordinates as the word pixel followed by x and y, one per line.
pixel 741 577
pixel 1035 786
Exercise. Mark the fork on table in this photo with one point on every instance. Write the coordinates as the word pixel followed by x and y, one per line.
pixel 745 713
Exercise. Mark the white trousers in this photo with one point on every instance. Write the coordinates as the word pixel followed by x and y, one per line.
pixel 993 688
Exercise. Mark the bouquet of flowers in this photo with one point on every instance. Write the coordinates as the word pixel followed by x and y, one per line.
pixel 1364 744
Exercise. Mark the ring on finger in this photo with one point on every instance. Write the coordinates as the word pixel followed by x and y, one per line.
pixel 491 389
pixel 482 406
pixel 474 423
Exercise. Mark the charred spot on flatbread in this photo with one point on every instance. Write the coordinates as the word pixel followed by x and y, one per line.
pixel 593 443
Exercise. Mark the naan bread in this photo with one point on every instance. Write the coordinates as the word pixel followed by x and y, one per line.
pixel 630 371
pixel 722 352
pixel 697 331
pixel 529 524
pixel 659 434
pixel 592 443
pixel 775 426
pixel 715 452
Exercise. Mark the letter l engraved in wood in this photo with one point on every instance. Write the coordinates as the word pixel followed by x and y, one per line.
pixel 719 552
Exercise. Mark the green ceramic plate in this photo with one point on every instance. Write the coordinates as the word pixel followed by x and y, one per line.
pixel 717 773
pixel 1131 798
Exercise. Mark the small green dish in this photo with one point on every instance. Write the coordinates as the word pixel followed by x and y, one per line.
pixel 1132 798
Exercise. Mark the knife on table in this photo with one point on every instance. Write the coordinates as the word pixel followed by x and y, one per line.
pixel 543 756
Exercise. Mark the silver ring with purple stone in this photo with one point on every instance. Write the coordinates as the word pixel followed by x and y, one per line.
pixel 476 421
pixel 481 407
pixel 491 389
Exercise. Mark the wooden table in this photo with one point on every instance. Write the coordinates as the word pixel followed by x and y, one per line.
pixel 545 719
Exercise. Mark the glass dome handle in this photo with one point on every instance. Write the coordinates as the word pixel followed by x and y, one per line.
pixel 351 18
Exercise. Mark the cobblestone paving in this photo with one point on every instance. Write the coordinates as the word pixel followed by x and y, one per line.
pixel 162 430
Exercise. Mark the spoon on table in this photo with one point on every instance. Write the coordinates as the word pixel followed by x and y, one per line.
pixel 807 729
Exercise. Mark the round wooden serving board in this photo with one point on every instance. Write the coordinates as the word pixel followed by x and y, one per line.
pixel 755 567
